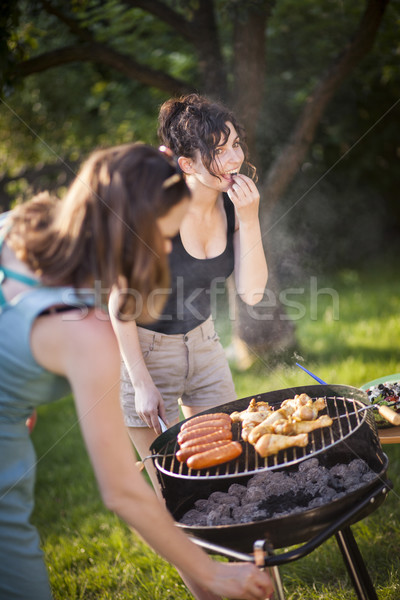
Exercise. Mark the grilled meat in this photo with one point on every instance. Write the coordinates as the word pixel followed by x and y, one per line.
pixel 296 416
pixel 291 427
pixel 271 443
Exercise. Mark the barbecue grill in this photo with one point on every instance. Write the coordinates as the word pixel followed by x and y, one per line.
pixel 353 434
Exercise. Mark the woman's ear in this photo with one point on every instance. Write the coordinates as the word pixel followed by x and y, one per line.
pixel 186 164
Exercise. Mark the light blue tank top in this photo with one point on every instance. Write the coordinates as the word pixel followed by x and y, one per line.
pixel 24 385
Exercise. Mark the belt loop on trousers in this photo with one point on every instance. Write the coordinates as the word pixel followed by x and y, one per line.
pixel 206 328
pixel 153 341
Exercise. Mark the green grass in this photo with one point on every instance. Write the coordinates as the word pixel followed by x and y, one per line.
pixel 92 555
pixel 351 340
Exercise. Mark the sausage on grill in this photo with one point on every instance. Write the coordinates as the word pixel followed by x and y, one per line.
pixel 196 432
pixel 214 436
pixel 183 454
pixel 209 423
pixel 203 419
pixel 216 456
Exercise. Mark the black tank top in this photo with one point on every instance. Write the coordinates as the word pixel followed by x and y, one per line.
pixel 195 283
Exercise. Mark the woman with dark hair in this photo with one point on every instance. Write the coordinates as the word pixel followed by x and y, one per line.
pixel 58 262
pixel 179 355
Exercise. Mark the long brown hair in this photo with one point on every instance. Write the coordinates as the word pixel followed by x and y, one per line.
pixel 105 228
pixel 193 122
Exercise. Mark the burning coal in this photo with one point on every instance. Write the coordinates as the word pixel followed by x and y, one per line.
pixel 271 494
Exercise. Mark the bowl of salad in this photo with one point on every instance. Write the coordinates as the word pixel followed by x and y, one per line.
pixel 384 391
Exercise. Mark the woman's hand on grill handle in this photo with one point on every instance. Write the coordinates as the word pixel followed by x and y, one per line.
pixel 149 406
pixel 242 581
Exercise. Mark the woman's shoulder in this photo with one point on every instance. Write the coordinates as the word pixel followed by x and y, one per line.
pixel 87 328
pixel 74 338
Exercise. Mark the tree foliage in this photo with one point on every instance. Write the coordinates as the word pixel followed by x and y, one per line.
pixel 80 67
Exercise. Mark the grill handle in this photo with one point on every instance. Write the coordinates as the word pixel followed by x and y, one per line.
pixel 389 414
pixel 228 552
pixel 305 549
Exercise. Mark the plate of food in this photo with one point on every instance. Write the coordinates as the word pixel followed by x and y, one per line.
pixel 384 391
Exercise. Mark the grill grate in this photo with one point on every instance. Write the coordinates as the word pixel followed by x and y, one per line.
pixel 346 419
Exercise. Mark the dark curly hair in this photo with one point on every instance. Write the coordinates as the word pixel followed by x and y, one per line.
pixel 193 122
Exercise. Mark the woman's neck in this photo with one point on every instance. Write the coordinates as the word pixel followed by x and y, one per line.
pixel 204 199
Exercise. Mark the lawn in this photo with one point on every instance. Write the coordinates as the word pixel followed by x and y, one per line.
pixel 350 337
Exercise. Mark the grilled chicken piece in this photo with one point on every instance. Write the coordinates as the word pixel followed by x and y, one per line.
pixel 273 430
pixel 292 427
pixel 310 410
pixel 305 413
pixel 288 427
pixel 265 427
pixel 320 403
pixel 300 409
pixel 253 412
pixel 303 408
pixel 247 428
pixel 237 417
pixel 298 404
pixel 255 418
pixel 251 421
pixel 271 443
pixel 298 400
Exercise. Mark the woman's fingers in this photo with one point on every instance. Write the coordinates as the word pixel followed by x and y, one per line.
pixel 245 581
pixel 243 190
pixel 155 423
pixel 246 184
pixel 149 405
pixel 245 198
pixel 260 585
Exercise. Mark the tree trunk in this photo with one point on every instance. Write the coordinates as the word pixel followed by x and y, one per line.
pixel 255 330
pixel 207 44
pixel 201 30
pixel 249 46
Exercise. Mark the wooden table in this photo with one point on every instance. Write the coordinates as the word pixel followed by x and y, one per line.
pixel 391 435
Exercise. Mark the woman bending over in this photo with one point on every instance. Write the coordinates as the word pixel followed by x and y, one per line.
pixel 56 259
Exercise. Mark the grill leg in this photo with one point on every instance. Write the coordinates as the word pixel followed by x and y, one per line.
pixel 259 547
pixel 355 565
pixel 279 594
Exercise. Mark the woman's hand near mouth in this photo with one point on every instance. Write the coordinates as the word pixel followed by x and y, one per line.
pixel 245 198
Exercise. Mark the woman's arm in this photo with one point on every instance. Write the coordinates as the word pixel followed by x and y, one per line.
pixel 251 272
pixel 89 356
pixel 148 400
